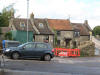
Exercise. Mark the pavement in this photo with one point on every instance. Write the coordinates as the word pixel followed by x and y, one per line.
pixel 57 66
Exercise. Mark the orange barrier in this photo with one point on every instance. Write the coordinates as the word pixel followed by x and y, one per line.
pixel 66 52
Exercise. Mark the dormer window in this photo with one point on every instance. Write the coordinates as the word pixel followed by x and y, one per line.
pixel 22 24
pixel 41 25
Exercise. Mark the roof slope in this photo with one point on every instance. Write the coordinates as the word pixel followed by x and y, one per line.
pixel 60 24
pixel 83 30
pixel 17 21
pixel 44 29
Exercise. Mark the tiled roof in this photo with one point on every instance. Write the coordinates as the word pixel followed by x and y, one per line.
pixel 83 30
pixel 17 22
pixel 44 29
pixel 5 29
pixel 60 24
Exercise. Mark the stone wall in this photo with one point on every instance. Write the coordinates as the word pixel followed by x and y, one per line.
pixel 84 38
pixel 64 35
pixel 87 48
pixel 67 34
pixel 40 38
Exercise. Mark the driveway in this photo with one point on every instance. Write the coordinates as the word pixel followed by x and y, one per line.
pixel 97 45
pixel 57 66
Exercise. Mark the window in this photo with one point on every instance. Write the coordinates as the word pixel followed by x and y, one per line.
pixel 29 46
pixel 58 42
pixel 46 38
pixel 40 45
pixel 41 25
pixel 22 24
pixel 58 33
pixel 77 34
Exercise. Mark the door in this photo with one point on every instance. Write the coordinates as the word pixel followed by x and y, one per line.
pixel 40 49
pixel 28 50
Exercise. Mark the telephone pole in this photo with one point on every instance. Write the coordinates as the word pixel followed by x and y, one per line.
pixel 27 18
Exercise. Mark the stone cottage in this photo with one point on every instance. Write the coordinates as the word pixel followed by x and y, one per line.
pixel 65 33
pixel 81 33
pixel 38 30
pixel 63 30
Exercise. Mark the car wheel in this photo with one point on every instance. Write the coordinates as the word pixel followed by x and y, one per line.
pixel 15 55
pixel 47 57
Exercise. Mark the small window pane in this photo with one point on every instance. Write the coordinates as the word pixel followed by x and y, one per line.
pixel 58 33
pixel 22 24
pixel 41 25
pixel 41 46
pixel 29 46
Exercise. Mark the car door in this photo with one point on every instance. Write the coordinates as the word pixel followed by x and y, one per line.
pixel 28 50
pixel 40 49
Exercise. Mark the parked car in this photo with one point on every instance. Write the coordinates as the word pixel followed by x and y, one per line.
pixel 31 50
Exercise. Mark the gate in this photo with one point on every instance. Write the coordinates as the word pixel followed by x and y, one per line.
pixel 66 52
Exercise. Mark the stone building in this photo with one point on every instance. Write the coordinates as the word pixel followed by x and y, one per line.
pixel 81 33
pixel 65 33
pixel 63 30
pixel 38 30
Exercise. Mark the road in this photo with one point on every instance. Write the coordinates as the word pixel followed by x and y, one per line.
pixel 61 66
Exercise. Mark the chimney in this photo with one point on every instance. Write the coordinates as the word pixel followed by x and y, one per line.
pixel 32 16
pixel 86 22
pixel 12 13
pixel 33 24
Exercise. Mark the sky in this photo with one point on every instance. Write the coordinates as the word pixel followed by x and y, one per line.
pixel 75 10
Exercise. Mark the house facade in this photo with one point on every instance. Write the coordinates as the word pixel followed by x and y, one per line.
pixel 18 28
pixel 81 33
pixel 63 31
pixel 60 32
pixel 38 30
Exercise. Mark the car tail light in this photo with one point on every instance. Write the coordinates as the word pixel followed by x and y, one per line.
pixel 53 50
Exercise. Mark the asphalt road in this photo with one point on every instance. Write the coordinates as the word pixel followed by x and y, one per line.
pixel 71 66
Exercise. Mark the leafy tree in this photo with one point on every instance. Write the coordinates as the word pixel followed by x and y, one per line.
pixel 0 31
pixel 5 15
pixel 96 30
pixel 8 36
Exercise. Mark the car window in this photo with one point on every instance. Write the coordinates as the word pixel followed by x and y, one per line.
pixel 40 45
pixel 29 46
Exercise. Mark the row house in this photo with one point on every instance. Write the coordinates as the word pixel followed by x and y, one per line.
pixel 64 32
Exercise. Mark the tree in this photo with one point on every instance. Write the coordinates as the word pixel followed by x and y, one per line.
pixel 96 30
pixel 5 15
pixel 0 31
pixel 8 36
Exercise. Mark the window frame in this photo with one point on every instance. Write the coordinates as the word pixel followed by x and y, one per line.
pixel 40 47
pixel 76 33
pixel 58 33
pixel 41 25
pixel 22 24
pixel 32 44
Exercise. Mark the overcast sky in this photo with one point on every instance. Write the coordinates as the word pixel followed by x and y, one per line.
pixel 77 10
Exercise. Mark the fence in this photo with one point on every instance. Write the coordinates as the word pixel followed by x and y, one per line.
pixel 66 52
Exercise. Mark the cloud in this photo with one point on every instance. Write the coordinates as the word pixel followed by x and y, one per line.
pixel 78 10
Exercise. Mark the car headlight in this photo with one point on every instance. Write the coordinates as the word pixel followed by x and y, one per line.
pixel 7 50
